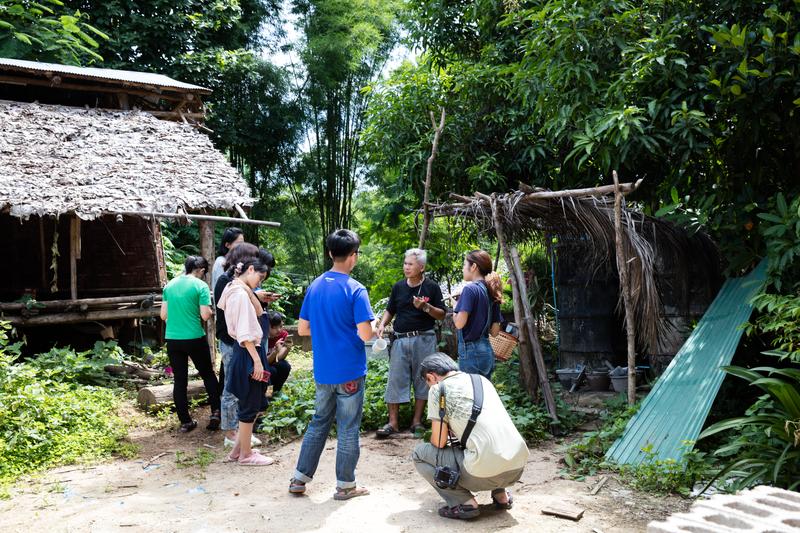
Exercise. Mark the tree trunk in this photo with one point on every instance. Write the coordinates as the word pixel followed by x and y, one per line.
pixel 622 267
pixel 426 217
pixel 159 395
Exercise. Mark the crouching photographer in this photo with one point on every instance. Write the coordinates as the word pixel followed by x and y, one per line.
pixel 474 445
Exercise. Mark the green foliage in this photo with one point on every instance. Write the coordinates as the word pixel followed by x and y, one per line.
pixel 666 476
pixel 47 31
pixel 200 459
pixel 46 419
pixel 69 366
pixel 587 456
pixel 764 444
pixel 531 420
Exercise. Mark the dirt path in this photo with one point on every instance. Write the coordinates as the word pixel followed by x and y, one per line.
pixel 222 497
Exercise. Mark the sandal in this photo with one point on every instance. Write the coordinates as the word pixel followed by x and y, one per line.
pixel 386 431
pixel 459 512
pixel 188 426
pixel 417 429
pixel 503 506
pixel 296 486
pixel 352 492
pixel 256 459
pixel 214 421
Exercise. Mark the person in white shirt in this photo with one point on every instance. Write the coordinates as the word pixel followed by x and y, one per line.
pixel 494 454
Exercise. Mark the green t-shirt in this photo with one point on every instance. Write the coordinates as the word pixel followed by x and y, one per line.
pixel 184 296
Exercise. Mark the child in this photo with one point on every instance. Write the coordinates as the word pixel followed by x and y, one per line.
pixel 278 347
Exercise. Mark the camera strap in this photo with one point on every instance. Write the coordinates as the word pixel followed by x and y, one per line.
pixel 477 407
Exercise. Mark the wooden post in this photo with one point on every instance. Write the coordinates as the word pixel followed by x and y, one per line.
pixel 533 334
pixel 526 317
pixel 43 252
pixel 527 371
pixel 74 254
pixel 207 251
pixel 624 286
pixel 426 213
pixel 158 246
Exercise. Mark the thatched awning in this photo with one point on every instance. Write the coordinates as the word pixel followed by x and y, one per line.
pixel 587 216
pixel 56 160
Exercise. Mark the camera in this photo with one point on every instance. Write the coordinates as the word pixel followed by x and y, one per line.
pixel 445 477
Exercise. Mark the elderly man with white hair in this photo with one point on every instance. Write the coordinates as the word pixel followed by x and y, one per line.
pixel 415 304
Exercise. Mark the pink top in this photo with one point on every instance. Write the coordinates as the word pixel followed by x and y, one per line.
pixel 240 315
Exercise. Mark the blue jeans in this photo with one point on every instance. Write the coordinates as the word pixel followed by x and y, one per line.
pixel 347 407
pixel 475 357
pixel 229 403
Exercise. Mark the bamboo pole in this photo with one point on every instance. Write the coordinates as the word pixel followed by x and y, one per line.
pixel 212 218
pixel 43 252
pixel 624 285
pixel 426 214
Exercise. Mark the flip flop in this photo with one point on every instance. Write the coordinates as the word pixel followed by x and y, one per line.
pixel 386 431
pixel 459 512
pixel 346 494
pixel 214 421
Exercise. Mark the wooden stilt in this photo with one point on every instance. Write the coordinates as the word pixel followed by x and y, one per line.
pixel 43 252
pixel 624 286
pixel 74 254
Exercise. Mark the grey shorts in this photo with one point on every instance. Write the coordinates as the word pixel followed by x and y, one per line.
pixel 404 358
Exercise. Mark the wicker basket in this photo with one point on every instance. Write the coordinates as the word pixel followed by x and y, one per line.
pixel 503 344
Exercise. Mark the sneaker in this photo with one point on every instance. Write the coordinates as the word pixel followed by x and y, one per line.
pixel 254 441
pixel 256 459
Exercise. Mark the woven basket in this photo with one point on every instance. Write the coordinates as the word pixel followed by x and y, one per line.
pixel 503 344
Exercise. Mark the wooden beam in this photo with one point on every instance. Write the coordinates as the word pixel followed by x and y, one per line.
pixel 74 254
pixel 66 304
pixel 212 218
pixel 624 286
pixel 590 191
pixel 76 318
pixel 179 116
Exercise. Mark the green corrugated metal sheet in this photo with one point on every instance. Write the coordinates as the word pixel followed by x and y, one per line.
pixel 676 408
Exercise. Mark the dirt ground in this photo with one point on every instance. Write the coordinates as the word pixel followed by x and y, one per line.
pixel 163 495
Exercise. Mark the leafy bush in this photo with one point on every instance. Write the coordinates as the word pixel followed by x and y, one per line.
pixel 531 420
pixel 764 446
pixel 666 476
pixel 67 365
pixel 46 419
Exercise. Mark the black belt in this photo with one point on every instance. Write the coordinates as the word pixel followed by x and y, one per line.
pixel 414 334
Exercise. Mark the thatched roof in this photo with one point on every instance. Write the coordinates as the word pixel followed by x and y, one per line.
pixel 57 159
pixel 588 216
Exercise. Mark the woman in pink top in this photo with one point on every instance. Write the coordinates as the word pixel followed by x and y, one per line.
pixel 248 379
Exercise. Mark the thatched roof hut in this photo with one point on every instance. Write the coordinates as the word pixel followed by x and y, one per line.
pixel 586 217
pixel 59 160
pixel 80 190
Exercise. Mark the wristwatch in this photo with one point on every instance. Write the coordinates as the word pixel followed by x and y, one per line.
pixel 426 308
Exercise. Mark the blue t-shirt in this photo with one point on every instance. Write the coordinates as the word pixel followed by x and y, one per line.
pixel 333 305
pixel 475 301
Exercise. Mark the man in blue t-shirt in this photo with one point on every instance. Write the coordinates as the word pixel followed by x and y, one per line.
pixel 336 313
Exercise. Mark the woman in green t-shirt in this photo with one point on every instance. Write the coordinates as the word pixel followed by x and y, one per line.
pixel 186 304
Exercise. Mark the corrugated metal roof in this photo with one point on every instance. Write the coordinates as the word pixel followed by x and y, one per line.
pixel 675 410
pixel 118 77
